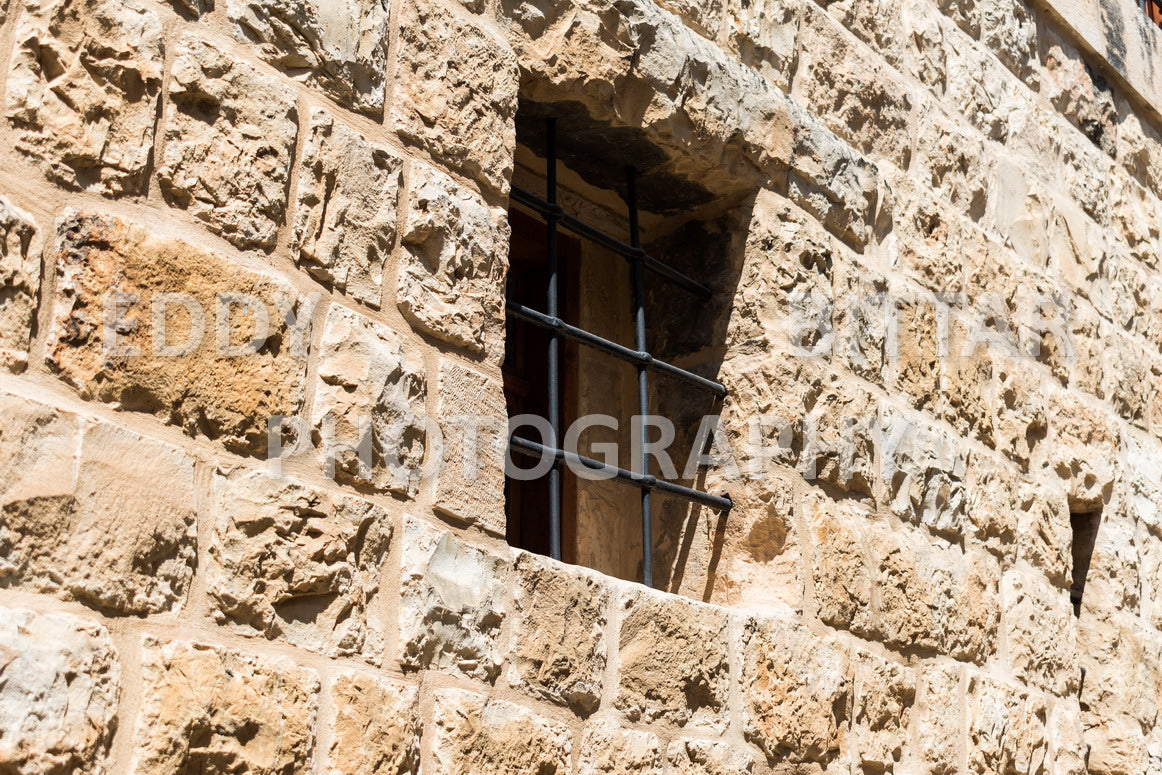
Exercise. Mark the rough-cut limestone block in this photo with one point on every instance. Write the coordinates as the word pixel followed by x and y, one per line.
pixel 377 727
pixel 1044 535
pixel 83 90
pixel 1151 581
pixel 193 8
pixel 972 611
pixel 453 264
pixel 840 571
pixel 1085 446
pixel 763 35
pixel 115 531
pixel 474 421
pixel 1135 217
pixel 607 749
pixel 1129 378
pixel 1041 633
pixel 207 709
pixel 990 503
pixel 1087 173
pixel 559 651
pixel 1078 92
pixel 19 284
pixel 981 89
pixel 796 689
pixel 297 564
pixel 472 734
pixel 951 159
pixel 345 224
pixel 878 23
pixel 922 472
pixel 1006 729
pixel 229 134
pixel 707 757
pixel 456 93
pixel 452 604
pixel 939 714
pixel 228 356
pixel 935 244
pixel 339 48
pixel 369 405
pixel 966 400
pixel 673 661
pixel 1116 746
pixel 965 13
pixel 1116 572
pixel 1122 679
pixel 1009 28
pixel 857 98
pixel 1021 422
pixel 59 684
pixel 883 695
pixel 1066 743
pixel 1139 146
pixel 862 309
pixel 915 347
pixel 1143 490
pixel 840 437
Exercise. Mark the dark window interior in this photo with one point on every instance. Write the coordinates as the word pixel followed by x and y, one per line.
pixel 1085 527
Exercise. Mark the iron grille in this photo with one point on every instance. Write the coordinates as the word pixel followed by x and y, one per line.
pixel 639 356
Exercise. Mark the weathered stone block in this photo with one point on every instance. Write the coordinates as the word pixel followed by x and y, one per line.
pixel 1006 729
pixel 990 503
pixel 922 472
pixel 19 284
pixel 883 695
pixel 911 590
pixel 369 405
pixel 471 733
pixel 704 16
pixel 297 564
pixel 114 530
pixel 915 347
pixel 1009 28
pixel 229 135
pixel 980 88
pixel 971 613
pixel 1043 532
pixel 339 48
pixel 559 652
pixel 840 437
pixel 841 574
pixel 59 684
pixel 452 605
pixel 209 709
pixel 609 750
pixel 345 224
pixel 1078 92
pixel 862 312
pixel 377 728
pixel 966 398
pixel 673 661
pixel 83 91
pixel 763 34
pixel 939 714
pixel 474 420
pixel 796 689
pixel 452 266
pixel 1021 423
pixel 152 324
pixel 1033 610
pixel 706 757
pixel 457 93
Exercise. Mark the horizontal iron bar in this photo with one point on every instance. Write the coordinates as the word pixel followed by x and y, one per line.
pixel 614 349
pixel 536 449
pixel 585 231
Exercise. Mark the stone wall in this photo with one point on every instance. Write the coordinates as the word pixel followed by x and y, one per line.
pixel 219 214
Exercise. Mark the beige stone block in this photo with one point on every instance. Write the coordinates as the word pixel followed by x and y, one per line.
pixel 1087 173
pixel 915 346
pixel 1138 146
pixel 673 663
pixel 1040 633
pixel 878 23
pixel 796 688
pixel 708 757
pixel 607 749
pixel 193 8
pixel 862 313
pixel 472 734
pixel 1066 744
pixel 990 503
pixel 1043 531
pixel 82 94
pixel 922 471
pixel 19 284
pixel 1117 747
pixel 210 709
pixel 561 616
pixel 452 265
pixel 229 136
pixel 114 530
pixel 936 246
pixel 1021 422
pixel 345 223
pixel 457 93
pixel 474 420
pixel 1130 379
pixel 60 680
pixel 763 34
pixel 1077 92
pixel 951 159
pixel 912 589
pixel 1084 449
pixel 970 614
pixel 704 16
pixel 967 387
pixel 369 416
pixel 939 719
pixel 980 88
pixel 883 696
pixel 841 437
pixel 297 564
pixel 840 572
pixel 339 48
pixel 1009 29
pixel 452 605
pixel 377 728
pixel 153 324
pixel 1006 729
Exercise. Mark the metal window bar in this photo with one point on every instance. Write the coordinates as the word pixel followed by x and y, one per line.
pixel 556 219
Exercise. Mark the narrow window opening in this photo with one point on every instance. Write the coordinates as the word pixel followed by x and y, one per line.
pixel 1085 526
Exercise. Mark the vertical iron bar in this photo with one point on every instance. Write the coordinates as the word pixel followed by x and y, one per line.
pixel 554 344
pixel 643 386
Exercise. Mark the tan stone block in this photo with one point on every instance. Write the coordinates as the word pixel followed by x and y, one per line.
pixel 915 346
pixel 377 728
pixel 210 709
pixel 1130 379
pixel 878 23
pixel 1117 569
pixel 763 34
pixel 1077 92
pixel 979 87
pixel 1066 744
pixel 228 359
pixel 474 421
pixel 673 663
pixel 472 734
pixel 1084 447
pixel 970 613
pixel 883 695
pixel 452 265
pixel 452 605
pixel 297 564
pixel 370 423
pixel 841 573
pixel 936 245
pixel 1117 747
pixel 939 714
pixel 990 500
pixel 840 437
pixel 1021 422
pixel 19 284
pixel 862 312
pixel 951 159
pixel 1138 147
pixel 229 136
pixel 609 750
pixel 337 48
pixel 1006 729
pixel 1009 28
pixel 912 589
pixel 457 93
pixel 796 688
pixel 704 16
pixel 193 8
pixel 1087 173
pixel 922 471
pixel 114 531
pixel 707 757
pixel 1040 632
pixel 345 223
pixel 967 385
pixel 61 681
pixel 1044 535
pixel 83 91
pixel 559 652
